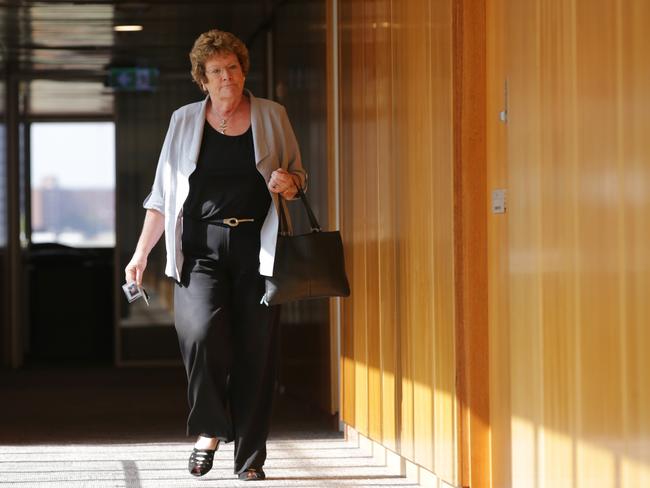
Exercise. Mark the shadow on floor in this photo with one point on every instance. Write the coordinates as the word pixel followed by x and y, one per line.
pixel 100 404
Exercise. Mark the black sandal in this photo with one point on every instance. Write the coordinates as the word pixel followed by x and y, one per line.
pixel 200 461
pixel 252 475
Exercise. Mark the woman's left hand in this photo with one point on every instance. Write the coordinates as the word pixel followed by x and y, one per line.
pixel 282 182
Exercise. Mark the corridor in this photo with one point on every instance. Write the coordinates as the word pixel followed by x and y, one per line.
pixel 487 164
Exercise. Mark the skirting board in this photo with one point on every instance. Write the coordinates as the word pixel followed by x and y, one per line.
pixel 396 463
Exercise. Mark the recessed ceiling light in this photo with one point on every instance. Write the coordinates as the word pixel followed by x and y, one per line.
pixel 127 28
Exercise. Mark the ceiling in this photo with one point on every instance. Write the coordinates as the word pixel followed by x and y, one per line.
pixel 75 40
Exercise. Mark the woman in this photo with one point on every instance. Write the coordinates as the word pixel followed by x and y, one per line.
pixel 222 166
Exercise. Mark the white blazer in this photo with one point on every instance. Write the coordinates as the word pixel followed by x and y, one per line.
pixel 275 147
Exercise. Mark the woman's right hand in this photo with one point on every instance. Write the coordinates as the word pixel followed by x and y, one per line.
pixel 135 269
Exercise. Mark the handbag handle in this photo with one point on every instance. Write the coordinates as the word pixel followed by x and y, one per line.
pixel 313 222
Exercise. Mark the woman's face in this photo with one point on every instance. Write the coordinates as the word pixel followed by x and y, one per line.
pixel 224 76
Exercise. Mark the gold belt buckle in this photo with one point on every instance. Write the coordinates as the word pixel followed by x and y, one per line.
pixel 234 222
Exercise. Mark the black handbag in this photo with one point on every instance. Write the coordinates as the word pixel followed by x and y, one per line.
pixel 307 265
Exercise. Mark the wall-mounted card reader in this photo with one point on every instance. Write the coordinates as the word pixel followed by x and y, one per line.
pixel 499 201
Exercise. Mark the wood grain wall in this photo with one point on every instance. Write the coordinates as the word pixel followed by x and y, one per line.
pixel 397 201
pixel 569 261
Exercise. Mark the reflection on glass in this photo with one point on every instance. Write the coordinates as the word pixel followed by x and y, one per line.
pixel 73 183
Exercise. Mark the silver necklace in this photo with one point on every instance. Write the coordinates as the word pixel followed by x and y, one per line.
pixel 223 125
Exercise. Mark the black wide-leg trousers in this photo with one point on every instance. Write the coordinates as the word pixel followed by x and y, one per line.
pixel 227 338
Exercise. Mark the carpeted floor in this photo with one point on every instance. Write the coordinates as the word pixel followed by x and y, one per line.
pixel 106 427
pixel 300 463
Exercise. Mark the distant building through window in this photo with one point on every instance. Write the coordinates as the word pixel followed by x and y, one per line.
pixel 73 183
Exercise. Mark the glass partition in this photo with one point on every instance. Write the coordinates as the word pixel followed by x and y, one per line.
pixel 4 275
pixel 73 183
pixel 3 171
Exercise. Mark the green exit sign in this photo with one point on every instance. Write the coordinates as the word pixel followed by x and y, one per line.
pixel 133 79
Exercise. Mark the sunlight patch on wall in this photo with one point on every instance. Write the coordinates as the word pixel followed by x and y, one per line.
pixel 524 453
pixel 546 458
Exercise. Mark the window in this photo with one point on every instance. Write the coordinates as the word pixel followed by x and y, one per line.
pixel 73 183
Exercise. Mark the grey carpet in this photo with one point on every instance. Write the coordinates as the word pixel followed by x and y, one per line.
pixel 303 463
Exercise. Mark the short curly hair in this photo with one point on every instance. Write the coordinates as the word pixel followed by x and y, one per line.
pixel 212 42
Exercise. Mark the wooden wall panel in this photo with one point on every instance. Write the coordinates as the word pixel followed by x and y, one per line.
pixel 441 125
pixel 568 261
pixel 415 226
pixel 599 226
pixel 634 78
pixel 348 378
pixel 525 302
pixel 397 203
pixel 558 183
pixel 472 340
pixel 358 225
pixel 497 247
pixel 386 205
pixel 371 219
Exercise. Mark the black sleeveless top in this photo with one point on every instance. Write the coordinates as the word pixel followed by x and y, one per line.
pixel 226 182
